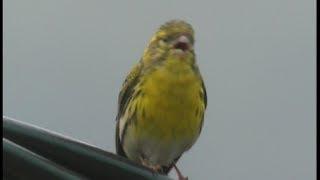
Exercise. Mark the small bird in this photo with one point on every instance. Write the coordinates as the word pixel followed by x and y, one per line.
pixel 162 101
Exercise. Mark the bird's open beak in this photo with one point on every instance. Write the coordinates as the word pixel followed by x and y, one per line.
pixel 183 43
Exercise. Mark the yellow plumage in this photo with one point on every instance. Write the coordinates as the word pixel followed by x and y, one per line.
pixel 172 100
pixel 162 101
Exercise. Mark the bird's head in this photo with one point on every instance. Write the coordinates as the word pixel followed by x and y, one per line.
pixel 174 38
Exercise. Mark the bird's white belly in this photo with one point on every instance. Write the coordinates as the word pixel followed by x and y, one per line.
pixel 153 151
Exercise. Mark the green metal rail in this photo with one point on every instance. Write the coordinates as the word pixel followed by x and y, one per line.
pixel 31 152
pixel 30 165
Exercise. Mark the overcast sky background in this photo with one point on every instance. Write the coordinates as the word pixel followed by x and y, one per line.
pixel 65 60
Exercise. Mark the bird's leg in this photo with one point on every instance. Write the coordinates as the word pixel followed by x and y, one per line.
pixel 155 168
pixel 180 176
pixel 144 162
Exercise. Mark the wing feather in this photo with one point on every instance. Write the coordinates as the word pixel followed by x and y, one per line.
pixel 124 97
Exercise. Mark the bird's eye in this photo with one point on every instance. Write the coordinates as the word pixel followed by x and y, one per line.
pixel 165 40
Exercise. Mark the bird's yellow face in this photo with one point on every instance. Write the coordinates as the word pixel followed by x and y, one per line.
pixel 173 40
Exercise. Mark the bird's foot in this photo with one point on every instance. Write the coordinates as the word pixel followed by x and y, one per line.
pixel 155 168
pixel 183 178
pixel 180 176
pixel 144 162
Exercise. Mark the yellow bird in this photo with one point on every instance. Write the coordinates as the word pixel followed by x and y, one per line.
pixel 162 101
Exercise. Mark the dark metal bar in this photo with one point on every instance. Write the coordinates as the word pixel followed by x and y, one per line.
pixel 20 163
pixel 79 157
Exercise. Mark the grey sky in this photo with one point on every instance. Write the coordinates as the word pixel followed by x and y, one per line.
pixel 65 60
